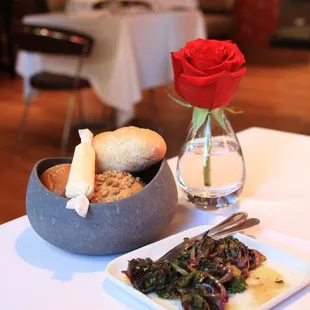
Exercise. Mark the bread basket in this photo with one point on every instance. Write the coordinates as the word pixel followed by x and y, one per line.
pixel 109 228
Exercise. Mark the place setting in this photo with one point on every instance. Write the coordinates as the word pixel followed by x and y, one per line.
pixel 167 234
pixel 186 277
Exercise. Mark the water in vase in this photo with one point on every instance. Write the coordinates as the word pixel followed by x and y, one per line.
pixel 227 169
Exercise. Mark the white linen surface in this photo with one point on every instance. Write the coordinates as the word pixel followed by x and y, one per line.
pixel 276 191
pixel 131 52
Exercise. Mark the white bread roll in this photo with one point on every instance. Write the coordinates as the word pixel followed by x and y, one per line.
pixel 129 149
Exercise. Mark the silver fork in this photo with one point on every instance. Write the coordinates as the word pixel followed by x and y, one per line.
pixel 248 223
pixel 235 219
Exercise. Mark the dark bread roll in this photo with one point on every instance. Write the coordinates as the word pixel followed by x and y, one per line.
pixel 55 178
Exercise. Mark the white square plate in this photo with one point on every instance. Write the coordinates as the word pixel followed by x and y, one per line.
pixel 294 271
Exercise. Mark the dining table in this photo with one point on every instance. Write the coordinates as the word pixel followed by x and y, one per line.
pixel 36 275
pixel 131 52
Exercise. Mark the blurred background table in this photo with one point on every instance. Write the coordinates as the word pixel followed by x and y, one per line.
pixel 82 5
pixel 131 52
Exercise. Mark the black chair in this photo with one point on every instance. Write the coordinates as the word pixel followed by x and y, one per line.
pixel 5 30
pixel 48 40
pixel 123 3
pixel 11 14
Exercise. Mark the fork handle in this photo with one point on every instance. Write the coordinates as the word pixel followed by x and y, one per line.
pixel 234 219
pixel 245 225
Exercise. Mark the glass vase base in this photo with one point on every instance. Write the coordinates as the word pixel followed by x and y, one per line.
pixel 214 203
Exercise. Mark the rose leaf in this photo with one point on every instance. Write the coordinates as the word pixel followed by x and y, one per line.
pixel 218 115
pixel 232 111
pixel 183 104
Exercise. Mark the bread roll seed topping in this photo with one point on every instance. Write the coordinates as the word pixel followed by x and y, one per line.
pixel 109 182
pixel 115 185
pixel 105 193
pixel 115 191
pixel 120 175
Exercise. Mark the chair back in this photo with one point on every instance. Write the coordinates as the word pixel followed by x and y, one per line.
pixel 50 40
pixel 27 7
pixel 124 3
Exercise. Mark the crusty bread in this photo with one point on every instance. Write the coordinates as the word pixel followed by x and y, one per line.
pixel 55 178
pixel 115 185
pixel 128 149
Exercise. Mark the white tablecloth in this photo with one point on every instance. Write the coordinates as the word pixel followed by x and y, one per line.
pixel 36 275
pixel 131 52
pixel 82 5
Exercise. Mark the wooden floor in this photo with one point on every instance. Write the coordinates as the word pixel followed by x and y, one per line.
pixel 275 93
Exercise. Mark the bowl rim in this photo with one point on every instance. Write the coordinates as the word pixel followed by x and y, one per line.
pixel 162 162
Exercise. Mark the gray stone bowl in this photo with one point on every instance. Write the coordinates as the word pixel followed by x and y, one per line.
pixel 109 228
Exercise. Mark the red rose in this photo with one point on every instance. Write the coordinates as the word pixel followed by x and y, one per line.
pixel 207 72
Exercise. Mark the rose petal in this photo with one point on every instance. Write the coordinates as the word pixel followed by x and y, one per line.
pixel 224 66
pixel 177 68
pixel 201 81
pixel 210 92
pixel 207 72
pixel 188 69
pixel 236 56
pixel 205 50
pixel 205 65
pixel 226 87
pixel 199 96
pixel 208 56
pixel 203 62
pixel 233 61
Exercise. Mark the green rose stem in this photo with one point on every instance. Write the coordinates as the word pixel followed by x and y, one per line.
pixel 207 153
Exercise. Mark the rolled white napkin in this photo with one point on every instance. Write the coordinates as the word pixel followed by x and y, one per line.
pixel 80 204
pixel 80 186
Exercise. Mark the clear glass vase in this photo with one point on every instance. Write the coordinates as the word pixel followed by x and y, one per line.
pixel 213 151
